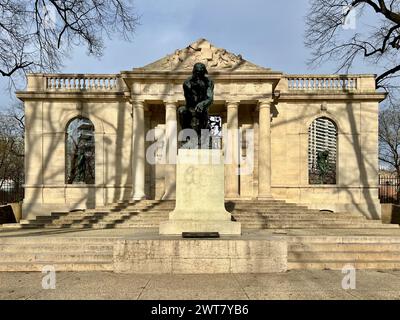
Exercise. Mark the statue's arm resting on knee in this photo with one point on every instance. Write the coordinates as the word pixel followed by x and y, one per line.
pixel 205 104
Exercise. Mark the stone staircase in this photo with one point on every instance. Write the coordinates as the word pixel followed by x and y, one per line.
pixel 332 252
pixel 368 248
pixel 72 254
pixel 253 214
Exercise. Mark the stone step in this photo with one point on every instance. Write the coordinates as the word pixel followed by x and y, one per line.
pixel 148 202
pixel 57 257
pixel 343 247
pixel 338 265
pixel 135 210
pixel 303 222
pixel 110 215
pixel 60 213
pixel 102 222
pixel 11 226
pixel 267 205
pixel 150 215
pixel 247 225
pixel 65 241
pixel 339 239
pixel 55 248
pixel 135 207
pixel 308 217
pixel 32 226
pixel 272 209
pixel 171 207
pixel 106 225
pixel 279 212
pixel 38 267
pixel 330 222
pixel 147 213
pixel 23 222
pixel 258 220
pixel 76 215
pixel 138 226
pixel 257 201
pixel 80 226
pixel 314 225
pixel 65 225
pixel 322 256
pixel 260 213
pixel 89 221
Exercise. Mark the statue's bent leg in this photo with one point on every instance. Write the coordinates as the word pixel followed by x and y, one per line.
pixel 184 117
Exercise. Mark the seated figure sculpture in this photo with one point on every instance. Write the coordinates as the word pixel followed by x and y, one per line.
pixel 199 95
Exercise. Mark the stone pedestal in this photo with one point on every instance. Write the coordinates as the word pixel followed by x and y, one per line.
pixel 200 205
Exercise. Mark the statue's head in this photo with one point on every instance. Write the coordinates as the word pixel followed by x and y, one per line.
pixel 199 70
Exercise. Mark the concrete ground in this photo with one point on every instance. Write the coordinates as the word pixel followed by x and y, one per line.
pixel 149 233
pixel 310 285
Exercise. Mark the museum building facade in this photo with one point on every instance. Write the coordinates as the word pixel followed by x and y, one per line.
pixel 308 139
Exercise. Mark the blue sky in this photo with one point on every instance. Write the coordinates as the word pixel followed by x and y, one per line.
pixel 269 33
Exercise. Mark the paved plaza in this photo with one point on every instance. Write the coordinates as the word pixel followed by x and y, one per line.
pixel 313 285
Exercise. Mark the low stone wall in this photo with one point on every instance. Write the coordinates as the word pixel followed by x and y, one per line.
pixel 390 213
pixel 7 214
pixel 182 256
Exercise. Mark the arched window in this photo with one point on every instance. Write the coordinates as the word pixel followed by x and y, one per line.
pixel 322 151
pixel 80 151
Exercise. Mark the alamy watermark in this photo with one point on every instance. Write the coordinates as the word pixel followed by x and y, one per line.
pixel 49 17
pixel 236 145
pixel 349 18
pixel 49 280
pixel 349 280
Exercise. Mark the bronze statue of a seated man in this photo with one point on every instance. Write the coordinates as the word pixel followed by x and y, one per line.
pixel 199 95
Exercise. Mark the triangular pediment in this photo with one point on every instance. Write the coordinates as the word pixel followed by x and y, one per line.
pixel 216 59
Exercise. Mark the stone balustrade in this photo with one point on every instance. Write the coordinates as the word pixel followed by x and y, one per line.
pixel 93 82
pixel 74 82
pixel 114 83
pixel 323 82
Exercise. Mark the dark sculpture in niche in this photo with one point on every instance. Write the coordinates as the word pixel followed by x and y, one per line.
pixel 81 166
pixel 199 95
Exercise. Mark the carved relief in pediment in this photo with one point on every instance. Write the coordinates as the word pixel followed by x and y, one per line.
pixel 202 51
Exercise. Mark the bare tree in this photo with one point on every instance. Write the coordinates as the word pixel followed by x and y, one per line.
pixel 12 146
pixel 36 34
pixel 378 42
pixel 389 138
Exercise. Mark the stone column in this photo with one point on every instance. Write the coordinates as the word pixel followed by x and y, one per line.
pixel 138 151
pixel 171 140
pixel 232 148
pixel 264 151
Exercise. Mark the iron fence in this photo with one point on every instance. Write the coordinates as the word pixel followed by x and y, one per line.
pixel 389 189
pixel 11 192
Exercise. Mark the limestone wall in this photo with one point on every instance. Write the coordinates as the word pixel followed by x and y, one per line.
pixel 357 155
pixel 46 122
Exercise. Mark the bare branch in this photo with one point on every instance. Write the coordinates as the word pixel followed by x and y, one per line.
pixel 35 36
pixel 378 44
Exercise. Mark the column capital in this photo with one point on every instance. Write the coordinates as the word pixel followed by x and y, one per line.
pixel 137 103
pixel 232 103
pixel 265 103
pixel 171 104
